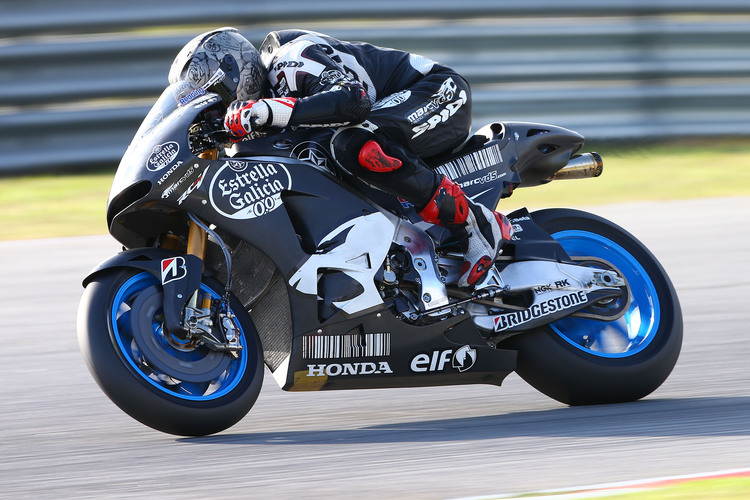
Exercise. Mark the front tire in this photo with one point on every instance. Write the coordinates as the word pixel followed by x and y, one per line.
pixel 580 361
pixel 165 383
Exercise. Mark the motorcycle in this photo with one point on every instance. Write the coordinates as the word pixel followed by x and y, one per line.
pixel 266 253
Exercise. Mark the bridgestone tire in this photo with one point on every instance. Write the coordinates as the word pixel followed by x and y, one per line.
pixel 559 363
pixel 188 408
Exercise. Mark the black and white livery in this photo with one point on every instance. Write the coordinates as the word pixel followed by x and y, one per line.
pixel 266 257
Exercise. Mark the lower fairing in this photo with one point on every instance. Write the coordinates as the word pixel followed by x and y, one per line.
pixel 380 351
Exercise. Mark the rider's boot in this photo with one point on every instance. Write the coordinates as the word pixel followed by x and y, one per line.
pixel 480 230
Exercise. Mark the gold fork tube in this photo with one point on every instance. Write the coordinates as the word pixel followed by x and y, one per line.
pixel 197 237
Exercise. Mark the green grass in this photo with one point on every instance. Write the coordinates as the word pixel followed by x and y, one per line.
pixel 706 489
pixel 735 488
pixel 49 206
pixel 72 205
pixel 671 171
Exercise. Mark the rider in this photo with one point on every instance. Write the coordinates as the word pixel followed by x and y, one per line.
pixel 390 108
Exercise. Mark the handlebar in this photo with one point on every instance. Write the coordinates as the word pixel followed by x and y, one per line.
pixel 208 132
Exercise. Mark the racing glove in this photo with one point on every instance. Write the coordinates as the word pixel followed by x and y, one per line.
pixel 245 117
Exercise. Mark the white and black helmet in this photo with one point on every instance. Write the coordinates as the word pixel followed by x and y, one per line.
pixel 202 57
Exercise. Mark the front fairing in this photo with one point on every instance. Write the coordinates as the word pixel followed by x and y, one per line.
pixel 161 140
pixel 159 156
pixel 160 181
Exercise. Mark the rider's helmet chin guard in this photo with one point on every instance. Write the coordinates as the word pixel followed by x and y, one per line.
pixel 222 61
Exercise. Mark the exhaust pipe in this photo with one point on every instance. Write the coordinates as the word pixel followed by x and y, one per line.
pixel 581 167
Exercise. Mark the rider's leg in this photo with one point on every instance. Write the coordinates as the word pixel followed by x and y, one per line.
pixel 390 168
pixel 480 230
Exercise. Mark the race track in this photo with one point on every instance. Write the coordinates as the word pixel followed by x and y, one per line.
pixel 60 437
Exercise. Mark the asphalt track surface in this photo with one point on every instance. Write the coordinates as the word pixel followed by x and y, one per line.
pixel 60 437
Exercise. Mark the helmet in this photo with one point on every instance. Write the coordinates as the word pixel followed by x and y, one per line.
pixel 202 57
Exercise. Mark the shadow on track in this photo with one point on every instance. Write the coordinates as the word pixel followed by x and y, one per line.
pixel 719 416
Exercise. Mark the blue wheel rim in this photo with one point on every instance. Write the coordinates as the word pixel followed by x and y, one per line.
pixel 635 329
pixel 165 382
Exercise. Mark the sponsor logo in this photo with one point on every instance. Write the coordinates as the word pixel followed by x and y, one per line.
pixel 246 190
pixel 282 88
pixel 551 287
pixel 550 306
pixel 343 369
pixel 217 78
pixel 392 100
pixel 173 269
pixel 202 103
pixel 195 185
pixel 521 219
pixel 490 177
pixel 173 187
pixel 405 203
pixel 169 172
pixel 313 153
pixel 462 359
pixel 517 228
pixel 334 76
pixel 192 95
pixel 443 116
pixel 162 155
pixel 446 93
pixel 289 64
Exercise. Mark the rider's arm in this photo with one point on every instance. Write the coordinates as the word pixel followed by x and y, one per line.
pixel 325 94
pixel 311 90
pixel 343 104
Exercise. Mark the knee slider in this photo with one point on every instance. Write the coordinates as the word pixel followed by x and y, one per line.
pixel 372 157
pixel 356 146
pixel 346 144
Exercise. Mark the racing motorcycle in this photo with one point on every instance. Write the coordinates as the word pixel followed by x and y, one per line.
pixel 266 253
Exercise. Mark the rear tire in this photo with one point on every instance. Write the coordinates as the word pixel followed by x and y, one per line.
pixel 176 388
pixel 581 361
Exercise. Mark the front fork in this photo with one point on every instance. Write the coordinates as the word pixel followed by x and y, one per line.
pixel 198 320
pixel 197 236
pixel 197 240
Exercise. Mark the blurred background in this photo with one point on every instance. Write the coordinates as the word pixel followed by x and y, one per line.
pixel 665 81
pixel 77 77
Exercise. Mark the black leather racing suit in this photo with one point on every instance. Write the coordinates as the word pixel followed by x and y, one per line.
pixel 415 108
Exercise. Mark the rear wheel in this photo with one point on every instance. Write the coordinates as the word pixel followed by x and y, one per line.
pixel 590 361
pixel 166 382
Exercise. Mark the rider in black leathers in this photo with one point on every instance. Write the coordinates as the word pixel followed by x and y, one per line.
pixel 390 108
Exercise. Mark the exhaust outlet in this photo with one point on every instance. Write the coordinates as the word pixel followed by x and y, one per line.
pixel 583 166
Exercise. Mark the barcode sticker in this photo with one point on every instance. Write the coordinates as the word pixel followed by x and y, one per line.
pixel 346 346
pixel 473 162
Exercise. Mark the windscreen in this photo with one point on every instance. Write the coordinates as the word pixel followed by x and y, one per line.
pixel 161 136
pixel 175 96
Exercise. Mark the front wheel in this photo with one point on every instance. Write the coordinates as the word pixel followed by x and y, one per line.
pixel 580 361
pixel 163 381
